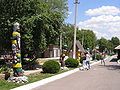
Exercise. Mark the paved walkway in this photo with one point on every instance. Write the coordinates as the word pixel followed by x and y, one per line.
pixel 99 77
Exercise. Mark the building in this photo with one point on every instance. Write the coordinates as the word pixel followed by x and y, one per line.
pixel 52 51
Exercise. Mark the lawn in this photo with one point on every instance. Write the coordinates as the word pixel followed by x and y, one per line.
pixel 5 85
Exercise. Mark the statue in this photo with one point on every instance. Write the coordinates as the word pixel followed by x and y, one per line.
pixel 16 49
pixel 18 76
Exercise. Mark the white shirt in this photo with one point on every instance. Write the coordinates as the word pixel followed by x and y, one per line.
pixel 87 57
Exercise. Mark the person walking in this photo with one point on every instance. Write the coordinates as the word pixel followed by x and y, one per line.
pixel 83 60
pixel 103 59
pixel 87 54
pixel 61 60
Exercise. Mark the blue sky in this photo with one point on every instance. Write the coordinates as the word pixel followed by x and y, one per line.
pixel 103 14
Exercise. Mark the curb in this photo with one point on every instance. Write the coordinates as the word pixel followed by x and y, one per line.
pixel 50 79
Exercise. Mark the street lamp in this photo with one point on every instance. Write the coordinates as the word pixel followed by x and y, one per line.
pixel 75 28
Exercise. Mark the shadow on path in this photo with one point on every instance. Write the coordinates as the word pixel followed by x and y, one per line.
pixel 114 60
pixel 113 67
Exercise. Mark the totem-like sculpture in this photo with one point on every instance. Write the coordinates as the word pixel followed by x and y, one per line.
pixel 17 66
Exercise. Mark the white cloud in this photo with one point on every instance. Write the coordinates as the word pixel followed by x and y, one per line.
pixel 104 26
pixel 104 10
pixel 99 35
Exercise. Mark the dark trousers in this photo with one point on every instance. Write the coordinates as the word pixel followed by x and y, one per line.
pixel 88 64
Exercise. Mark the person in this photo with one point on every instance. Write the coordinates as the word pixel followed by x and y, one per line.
pixel 62 62
pixel 87 60
pixel 83 60
pixel 103 59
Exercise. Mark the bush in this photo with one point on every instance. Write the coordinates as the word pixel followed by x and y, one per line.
pixel 51 66
pixel 98 56
pixel 73 63
pixel 29 64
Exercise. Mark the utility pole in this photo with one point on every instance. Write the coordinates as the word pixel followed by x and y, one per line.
pixel 82 38
pixel 75 28
pixel 60 43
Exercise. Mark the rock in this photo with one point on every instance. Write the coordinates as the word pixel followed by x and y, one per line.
pixel 64 68
pixel 21 79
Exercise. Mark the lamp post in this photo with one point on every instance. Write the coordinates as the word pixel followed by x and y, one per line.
pixel 75 28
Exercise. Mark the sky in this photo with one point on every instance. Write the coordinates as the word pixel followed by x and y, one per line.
pixel 100 16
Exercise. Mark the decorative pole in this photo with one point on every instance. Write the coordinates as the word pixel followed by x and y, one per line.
pixel 16 50
pixel 17 66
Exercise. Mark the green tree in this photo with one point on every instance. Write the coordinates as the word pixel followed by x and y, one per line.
pixel 110 46
pixel 102 43
pixel 68 35
pixel 87 38
pixel 115 41
pixel 40 20
pixel 10 12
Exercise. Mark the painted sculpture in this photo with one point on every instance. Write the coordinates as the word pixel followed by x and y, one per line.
pixel 17 66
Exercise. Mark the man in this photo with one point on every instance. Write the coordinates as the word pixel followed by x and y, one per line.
pixel 87 60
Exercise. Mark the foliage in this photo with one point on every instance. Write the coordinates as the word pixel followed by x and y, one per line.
pixel 102 43
pixel 115 41
pixel 67 35
pixel 29 64
pixel 40 22
pixel 108 45
pixel 98 56
pixel 51 66
pixel 70 62
pixel 87 38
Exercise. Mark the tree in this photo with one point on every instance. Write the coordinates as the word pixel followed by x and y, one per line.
pixel 110 46
pixel 12 11
pixel 102 43
pixel 68 34
pixel 115 41
pixel 40 21
pixel 87 38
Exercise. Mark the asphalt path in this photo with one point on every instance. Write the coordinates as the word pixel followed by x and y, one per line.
pixel 99 77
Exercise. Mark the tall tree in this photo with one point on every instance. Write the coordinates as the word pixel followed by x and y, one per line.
pixel 40 20
pixel 102 43
pixel 87 38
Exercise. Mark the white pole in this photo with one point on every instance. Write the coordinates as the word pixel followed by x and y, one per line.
pixel 75 28
pixel 60 43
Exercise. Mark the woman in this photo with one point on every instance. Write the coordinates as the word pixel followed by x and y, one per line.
pixel 83 58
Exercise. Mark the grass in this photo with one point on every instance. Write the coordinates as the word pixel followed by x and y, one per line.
pixel 5 85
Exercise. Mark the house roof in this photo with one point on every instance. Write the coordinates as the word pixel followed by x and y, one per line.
pixel 118 47
pixel 79 46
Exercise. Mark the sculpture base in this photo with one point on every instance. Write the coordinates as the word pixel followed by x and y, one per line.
pixel 20 79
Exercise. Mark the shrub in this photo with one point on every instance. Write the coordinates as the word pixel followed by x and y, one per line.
pixel 98 56
pixel 29 64
pixel 51 66
pixel 73 63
